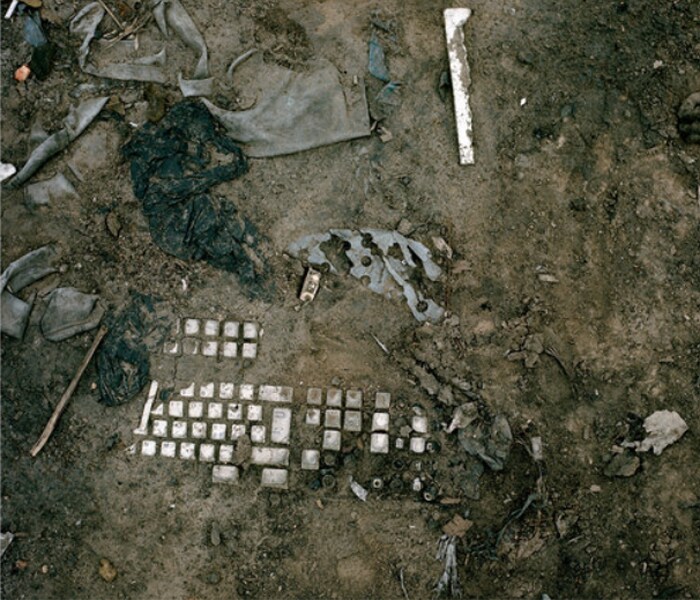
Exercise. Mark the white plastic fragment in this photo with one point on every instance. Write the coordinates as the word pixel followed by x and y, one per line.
pixel 331 440
pixel 275 393
pixel 6 171
pixel 353 421
pixel 455 20
pixel 313 416
pixel 224 474
pixel 380 421
pixel 257 434
pixel 187 451
pixel 276 457
pixel 417 445
pixel 148 448
pixel 333 418
pixel 281 425
pixel 226 391
pixel 419 424
pixel 249 350
pixel 255 412
pixel 310 460
pixel 207 452
pixel 309 288
pixel 179 429
pixel 334 398
pixel 664 428
pixel 382 401
pixel 353 399
pixel 358 490
pixel 246 391
pixel 168 449
pixel 230 349
pixel 314 396
pixel 536 446
pixel 250 331
pixel 5 541
pixel 11 11
pixel 379 443
pixel 226 453
pixel 235 412
pixel 274 478
pixel 215 410
pixel 142 429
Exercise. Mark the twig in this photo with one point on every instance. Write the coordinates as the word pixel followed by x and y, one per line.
pixel 131 29
pixel 403 587
pixel 111 14
pixel 50 426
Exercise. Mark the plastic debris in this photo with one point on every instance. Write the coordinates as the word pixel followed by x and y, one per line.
pixel 75 123
pixel 5 541
pixel 171 175
pixel 297 111
pixel 358 490
pixel 6 171
pixel 536 448
pixel 18 275
pixel 22 73
pixel 463 416
pixel 11 9
pixel 86 23
pixel 455 20
pixel 664 427
pixel 33 32
pixel 169 15
pixel 195 87
pixel 377 263
pixel 309 289
pixel 447 555
pixel 377 60
pixel 123 365
pixel 237 61
pixel 42 193
pixel 489 441
pixel 70 312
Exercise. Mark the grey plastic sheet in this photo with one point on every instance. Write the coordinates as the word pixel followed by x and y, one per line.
pixel 14 312
pixel 74 124
pixel 42 193
pixel 373 262
pixel 297 111
pixel 69 313
pixel 169 15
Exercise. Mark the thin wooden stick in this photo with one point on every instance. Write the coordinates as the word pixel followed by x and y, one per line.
pixel 50 426
pixel 111 14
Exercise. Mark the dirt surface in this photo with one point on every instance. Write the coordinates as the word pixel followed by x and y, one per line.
pixel 572 297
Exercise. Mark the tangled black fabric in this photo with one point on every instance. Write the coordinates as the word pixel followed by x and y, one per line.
pixel 123 358
pixel 171 175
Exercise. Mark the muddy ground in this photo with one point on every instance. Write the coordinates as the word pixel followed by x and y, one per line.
pixel 580 175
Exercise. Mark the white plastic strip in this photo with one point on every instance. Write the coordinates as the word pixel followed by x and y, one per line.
pixel 143 427
pixel 455 20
